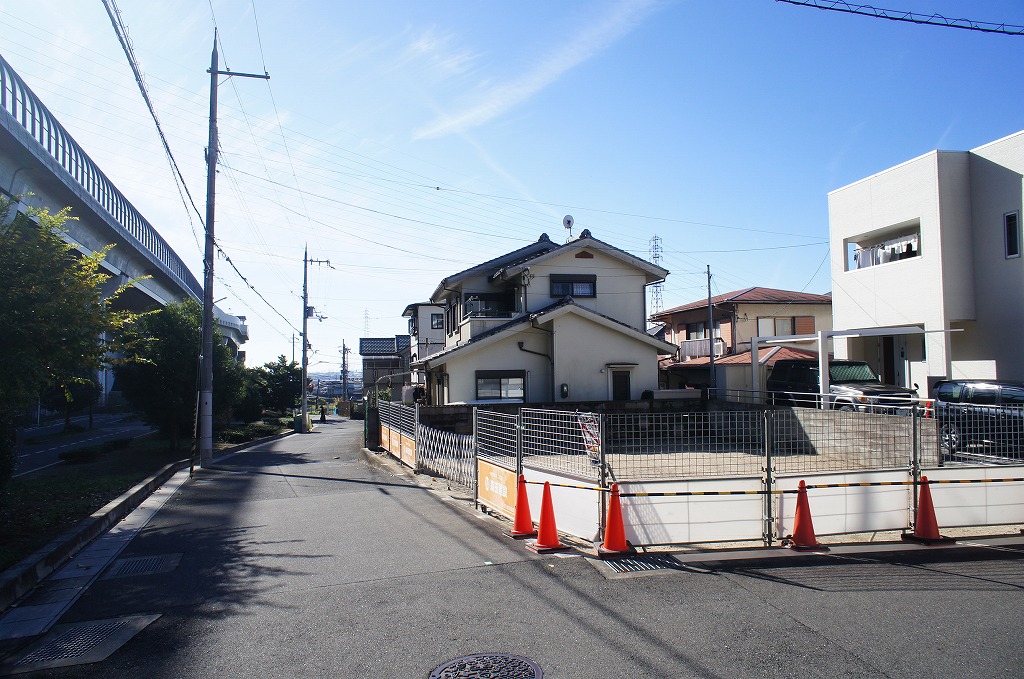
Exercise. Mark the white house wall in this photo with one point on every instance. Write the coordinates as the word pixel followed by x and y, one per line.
pixel 502 355
pixel 620 288
pixel 910 291
pixel 582 351
pixel 997 186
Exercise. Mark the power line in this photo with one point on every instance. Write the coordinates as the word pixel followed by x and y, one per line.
pixel 933 19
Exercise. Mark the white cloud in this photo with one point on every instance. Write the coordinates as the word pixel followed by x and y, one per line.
pixel 587 43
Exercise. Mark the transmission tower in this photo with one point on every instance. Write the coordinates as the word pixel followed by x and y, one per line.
pixel 930 19
pixel 656 289
pixel 366 322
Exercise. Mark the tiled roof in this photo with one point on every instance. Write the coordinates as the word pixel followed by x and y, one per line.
pixel 377 346
pixel 743 357
pixel 754 295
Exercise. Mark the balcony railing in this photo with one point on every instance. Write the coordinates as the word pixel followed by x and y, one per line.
pixel 698 348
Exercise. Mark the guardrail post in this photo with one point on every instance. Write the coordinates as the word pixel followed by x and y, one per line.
pixel 476 463
pixel 915 461
pixel 416 440
pixel 602 477
pixel 519 443
pixel 769 514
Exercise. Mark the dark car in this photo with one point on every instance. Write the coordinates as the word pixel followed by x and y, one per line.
pixel 980 416
pixel 852 384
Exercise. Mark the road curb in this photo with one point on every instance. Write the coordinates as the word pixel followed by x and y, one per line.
pixel 19 579
pixel 22 577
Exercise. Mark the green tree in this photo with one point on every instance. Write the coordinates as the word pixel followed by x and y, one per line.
pixel 53 314
pixel 162 384
pixel 71 397
pixel 283 384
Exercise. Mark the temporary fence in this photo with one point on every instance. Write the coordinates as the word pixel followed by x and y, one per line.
pixel 722 474
pixel 446 453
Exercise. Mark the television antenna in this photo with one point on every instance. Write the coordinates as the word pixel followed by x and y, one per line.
pixel 567 222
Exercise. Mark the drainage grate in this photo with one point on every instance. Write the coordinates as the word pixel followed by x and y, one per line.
pixel 647 562
pixel 483 665
pixel 77 644
pixel 73 643
pixel 143 565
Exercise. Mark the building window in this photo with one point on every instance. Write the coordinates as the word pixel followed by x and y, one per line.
pixel 1011 229
pixel 573 286
pixel 768 326
pixel 437 321
pixel 500 385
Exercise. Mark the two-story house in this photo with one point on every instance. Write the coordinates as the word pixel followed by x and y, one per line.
pixel 385 357
pixel 737 316
pixel 933 244
pixel 547 323
pixel 426 335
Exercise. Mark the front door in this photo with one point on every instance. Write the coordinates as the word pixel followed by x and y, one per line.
pixel 620 385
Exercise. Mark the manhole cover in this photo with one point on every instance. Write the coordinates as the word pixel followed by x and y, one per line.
pixel 488 666
pixel 648 562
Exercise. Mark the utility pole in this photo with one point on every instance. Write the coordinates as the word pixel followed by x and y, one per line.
pixel 206 353
pixel 307 313
pixel 344 370
pixel 711 338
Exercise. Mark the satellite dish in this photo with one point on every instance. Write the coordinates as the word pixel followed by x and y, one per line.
pixel 567 221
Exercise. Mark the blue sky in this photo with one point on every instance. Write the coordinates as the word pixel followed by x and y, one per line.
pixel 405 141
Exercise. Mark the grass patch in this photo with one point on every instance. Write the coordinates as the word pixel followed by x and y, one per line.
pixel 249 432
pixel 38 507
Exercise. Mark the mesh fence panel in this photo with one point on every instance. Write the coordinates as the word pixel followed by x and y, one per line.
pixel 810 440
pixel 643 446
pixel 497 437
pixel 447 454
pixel 979 434
pixel 562 441
pixel 398 417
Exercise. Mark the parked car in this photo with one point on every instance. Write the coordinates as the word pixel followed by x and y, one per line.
pixel 984 416
pixel 853 385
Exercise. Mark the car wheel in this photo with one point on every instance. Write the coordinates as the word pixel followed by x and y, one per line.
pixel 949 436
pixel 846 408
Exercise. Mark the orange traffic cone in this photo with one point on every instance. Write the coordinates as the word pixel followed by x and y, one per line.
pixel 522 527
pixel 926 528
pixel 547 533
pixel 803 538
pixel 614 531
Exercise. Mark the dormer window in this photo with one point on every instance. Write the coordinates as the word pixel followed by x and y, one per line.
pixel 576 285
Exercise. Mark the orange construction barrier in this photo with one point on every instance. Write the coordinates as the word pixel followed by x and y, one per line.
pixel 547 533
pixel 926 528
pixel 803 538
pixel 614 531
pixel 522 527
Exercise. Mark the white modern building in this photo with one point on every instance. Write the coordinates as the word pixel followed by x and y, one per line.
pixel 933 243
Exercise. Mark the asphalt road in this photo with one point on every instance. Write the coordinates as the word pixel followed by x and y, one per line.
pixel 34 454
pixel 298 558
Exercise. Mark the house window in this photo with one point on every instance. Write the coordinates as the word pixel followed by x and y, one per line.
pixel 573 286
pixel 437 321
pixel 489 305
pixel 768 326
pixel 500 385
pixel 1011 229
